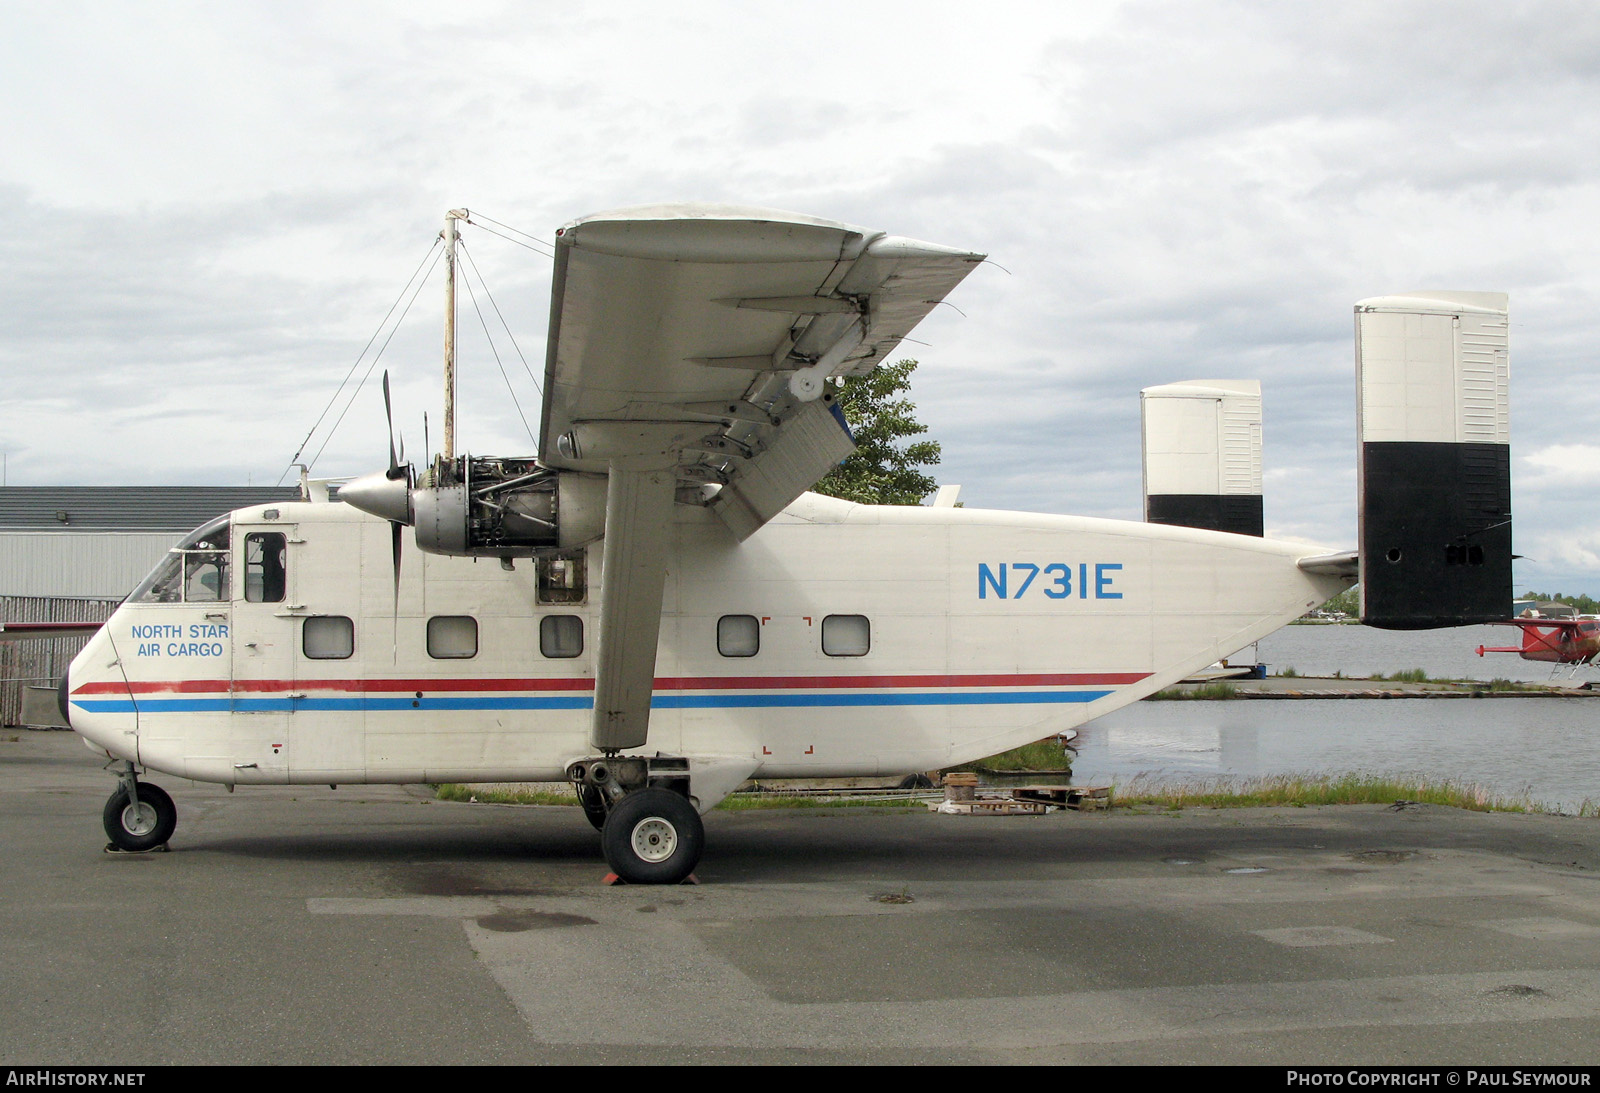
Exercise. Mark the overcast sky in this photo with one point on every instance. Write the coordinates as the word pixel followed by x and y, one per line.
pixel 210 207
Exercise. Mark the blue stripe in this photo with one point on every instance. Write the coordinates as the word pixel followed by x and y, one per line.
pixel 892 698
pixel 288 705
pixel 584 702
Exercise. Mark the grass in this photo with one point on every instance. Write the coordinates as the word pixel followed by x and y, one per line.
pixel 1040 755
pixel 1302 790
pixel 1407 675
pixel 1206 691
pixel 1498 684
pixel 1220 690
pixel 1141 792
pixel 741 802
pixel 454 791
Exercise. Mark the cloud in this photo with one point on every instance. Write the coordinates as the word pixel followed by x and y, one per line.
pixel 208 209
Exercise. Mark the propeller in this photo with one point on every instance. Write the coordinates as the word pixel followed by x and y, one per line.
pixel 387 494
pixel 397 472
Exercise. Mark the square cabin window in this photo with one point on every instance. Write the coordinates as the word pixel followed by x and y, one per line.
pixel 265 574
pixel 738 636
pixel 561 636
pixel 328 637
pixel 846 635
pixel 452 637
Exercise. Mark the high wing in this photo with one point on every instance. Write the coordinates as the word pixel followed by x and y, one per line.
pixel 688 350
pixel 696 338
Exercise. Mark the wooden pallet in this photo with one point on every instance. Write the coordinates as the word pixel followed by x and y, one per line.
pixel 990 806
pixel 1081 798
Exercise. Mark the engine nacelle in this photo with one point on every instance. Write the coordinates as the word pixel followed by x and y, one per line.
pixel 487 507
pixel 506 508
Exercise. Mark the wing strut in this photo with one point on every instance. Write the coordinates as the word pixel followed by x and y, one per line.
pixel 634 571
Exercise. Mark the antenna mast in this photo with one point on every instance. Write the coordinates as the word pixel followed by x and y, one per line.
pixel 450 236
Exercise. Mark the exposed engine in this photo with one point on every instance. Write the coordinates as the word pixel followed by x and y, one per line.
pixel 488 507
pixel 506 508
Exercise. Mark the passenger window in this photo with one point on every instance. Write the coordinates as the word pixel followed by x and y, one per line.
pixel 846 635
pixel 452 637
pixel 264 569
pixel 561 636
pixel 328 637
pixel 738 636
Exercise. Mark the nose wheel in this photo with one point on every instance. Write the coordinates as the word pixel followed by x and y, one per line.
pixel 652 836
pixel 140 820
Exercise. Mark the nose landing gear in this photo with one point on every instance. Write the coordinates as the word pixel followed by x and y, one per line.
pixel 138 815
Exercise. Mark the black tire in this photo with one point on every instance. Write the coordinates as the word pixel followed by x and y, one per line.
pixel 149 828
pixel 594 805
pixel 653 836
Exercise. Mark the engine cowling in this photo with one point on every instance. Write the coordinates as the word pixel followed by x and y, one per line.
pixel 489 507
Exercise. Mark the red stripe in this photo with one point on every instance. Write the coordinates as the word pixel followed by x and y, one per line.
pixel 223 686
pixel 682 683
pixel 753 683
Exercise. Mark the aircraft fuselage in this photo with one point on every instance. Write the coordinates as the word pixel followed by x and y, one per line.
pixel 837 640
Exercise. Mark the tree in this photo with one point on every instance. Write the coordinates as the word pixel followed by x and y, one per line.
pixel 882 470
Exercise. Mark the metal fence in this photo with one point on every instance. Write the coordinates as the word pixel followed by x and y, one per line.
pixel 40 662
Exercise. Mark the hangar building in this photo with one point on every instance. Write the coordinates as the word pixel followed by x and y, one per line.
pixel 71 553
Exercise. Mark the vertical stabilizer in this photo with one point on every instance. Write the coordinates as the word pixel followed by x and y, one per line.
pixel 1202 455
pixel 1432 376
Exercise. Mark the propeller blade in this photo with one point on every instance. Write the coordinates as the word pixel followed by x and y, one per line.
pixel 394 539
pixel 395 473
pixel 388 415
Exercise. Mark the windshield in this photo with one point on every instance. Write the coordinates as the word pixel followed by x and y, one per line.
pixel 194 571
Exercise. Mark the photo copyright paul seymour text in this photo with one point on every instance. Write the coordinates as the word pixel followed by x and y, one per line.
pixel 1462 1077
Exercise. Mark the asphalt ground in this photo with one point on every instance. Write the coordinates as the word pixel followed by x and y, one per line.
pixel 375 925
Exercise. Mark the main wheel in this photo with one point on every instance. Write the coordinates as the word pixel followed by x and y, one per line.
pixel 653 836
pixel 594 805
pixel 144 826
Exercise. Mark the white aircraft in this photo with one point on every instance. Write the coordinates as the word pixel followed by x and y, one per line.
pixel 654 608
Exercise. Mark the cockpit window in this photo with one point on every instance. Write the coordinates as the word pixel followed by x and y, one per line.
pixel 194 571
pixel 212 536
pixel 205 576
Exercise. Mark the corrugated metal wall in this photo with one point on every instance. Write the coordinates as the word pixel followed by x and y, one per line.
pixel 88 564
pixel 41 662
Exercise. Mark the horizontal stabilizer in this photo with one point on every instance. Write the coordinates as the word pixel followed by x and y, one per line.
pixel 1202 455
pixel 1433 373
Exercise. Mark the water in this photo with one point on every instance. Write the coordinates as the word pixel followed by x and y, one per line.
pixel 1547 748
pixel 1363 651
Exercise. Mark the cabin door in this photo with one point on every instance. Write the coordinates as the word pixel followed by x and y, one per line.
pixel 265 639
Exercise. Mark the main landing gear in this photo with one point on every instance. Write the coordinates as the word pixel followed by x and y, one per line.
pixel 139 815
pixel 650 832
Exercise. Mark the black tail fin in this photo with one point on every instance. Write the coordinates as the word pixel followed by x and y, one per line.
pixel 1432 373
